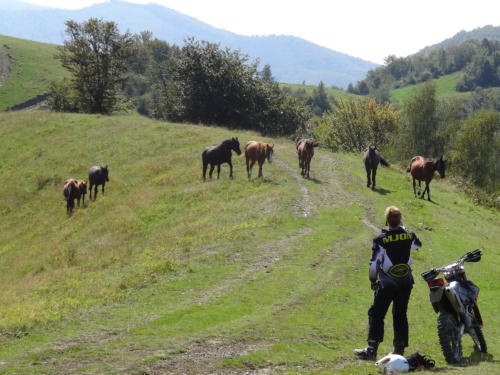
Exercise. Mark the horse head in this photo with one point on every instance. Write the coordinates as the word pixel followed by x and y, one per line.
pixel 235 145
pixel 269 152
pixel 105 172
pixel 440 166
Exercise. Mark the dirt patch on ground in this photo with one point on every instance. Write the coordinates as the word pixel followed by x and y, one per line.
pixel 303 207
pixel 5 60
pixel 206 357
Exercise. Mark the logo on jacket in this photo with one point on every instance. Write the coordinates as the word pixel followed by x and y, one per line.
pixel 399 270
pixel 397 237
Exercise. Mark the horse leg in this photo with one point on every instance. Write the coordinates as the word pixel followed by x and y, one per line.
pixel 104 183
pixel 368 177
pixel 428 191
pixel 414 188
pixel 308 167
pixel 218 171
pixel 212 166
pixel 260 170
pixel 90 192
pixel 248 169
pixel 230 169
pixel 374 174
pixel 95 192
pixel 78 199
pixel 420 187
pixel 205 165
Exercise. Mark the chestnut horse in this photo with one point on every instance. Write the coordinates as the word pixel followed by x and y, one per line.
pixel 74 189
pixel 305 151
pixel 372 157
pixel 257 152
pixel 216 155
pixel 423 169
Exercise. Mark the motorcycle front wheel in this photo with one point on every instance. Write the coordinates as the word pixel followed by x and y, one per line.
pixel 450 337
pixel 478 338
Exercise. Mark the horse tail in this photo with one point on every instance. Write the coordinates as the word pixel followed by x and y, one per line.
pixel 383 161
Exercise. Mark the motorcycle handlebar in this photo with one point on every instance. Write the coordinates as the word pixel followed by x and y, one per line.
pixel 471 256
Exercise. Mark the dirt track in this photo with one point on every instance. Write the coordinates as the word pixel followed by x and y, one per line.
pixel 5 59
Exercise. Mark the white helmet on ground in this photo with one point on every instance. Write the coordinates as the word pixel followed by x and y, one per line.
pixel 393 364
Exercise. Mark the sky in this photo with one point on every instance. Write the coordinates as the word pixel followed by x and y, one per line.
pixel 367 29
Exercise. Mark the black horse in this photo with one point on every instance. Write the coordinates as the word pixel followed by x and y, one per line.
pixel 97 176
pixel 372 158
pixel 216 155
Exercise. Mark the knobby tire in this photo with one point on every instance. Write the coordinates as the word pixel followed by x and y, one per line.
pixel 450 338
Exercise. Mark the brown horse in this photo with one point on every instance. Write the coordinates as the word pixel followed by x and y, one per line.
pixel 423 169
pixel 69 193
pixel 305 151
pixel 257 152
pixel 74 189
pixel 81 191
pixel 372 157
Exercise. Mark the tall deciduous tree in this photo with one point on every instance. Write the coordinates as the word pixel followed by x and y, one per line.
pixel 96 55
pixel 419 123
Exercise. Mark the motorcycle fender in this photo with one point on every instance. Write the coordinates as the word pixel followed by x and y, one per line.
pixel 452 297
pixel 436 294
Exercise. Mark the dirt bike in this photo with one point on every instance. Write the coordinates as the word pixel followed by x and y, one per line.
pixel 456 303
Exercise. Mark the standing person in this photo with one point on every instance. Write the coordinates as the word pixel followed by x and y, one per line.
pixel 391 265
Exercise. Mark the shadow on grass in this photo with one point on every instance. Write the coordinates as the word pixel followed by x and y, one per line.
pixel 382 191
pixel 477 357
pixel 315 180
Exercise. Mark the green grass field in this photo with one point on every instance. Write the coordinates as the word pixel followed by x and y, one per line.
pixel 167 274
pixel 445 87
pixel 32 68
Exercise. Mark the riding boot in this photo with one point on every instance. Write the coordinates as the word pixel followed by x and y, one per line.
pixel 369 353
pixel 399 350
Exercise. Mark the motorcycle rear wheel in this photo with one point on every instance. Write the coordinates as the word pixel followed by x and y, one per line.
pixel 450 337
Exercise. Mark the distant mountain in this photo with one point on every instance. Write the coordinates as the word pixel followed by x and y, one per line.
pixel 488 32
pixel 292 59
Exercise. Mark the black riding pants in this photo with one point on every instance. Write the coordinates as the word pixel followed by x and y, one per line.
pixel 399 296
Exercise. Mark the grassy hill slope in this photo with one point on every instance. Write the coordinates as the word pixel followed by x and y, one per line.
pixel 32 67
pixel 166 274
pixel 445 87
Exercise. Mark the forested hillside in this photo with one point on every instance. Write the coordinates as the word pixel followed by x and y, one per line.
pixel 480 33
pixel 478 61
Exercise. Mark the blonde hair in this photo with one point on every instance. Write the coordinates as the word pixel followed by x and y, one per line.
pixel 392 216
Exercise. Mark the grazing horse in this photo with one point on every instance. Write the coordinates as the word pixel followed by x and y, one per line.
pixel 372 158
pixel 423 169
pixel 257 152
pixel 97 176
pixel 305 151
pixel 70 192
pixel 216 155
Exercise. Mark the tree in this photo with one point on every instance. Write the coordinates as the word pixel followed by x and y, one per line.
pixel 96 55
pixel 419 123
pixel 476 152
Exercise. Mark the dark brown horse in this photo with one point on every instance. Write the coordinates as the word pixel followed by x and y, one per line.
pixel 257 152
pixel 305 151
pixel 423 169
pixel 216 155
pixel 372 157
pixel 69 192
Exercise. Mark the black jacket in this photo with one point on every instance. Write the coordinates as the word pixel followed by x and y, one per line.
pixel 391 258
